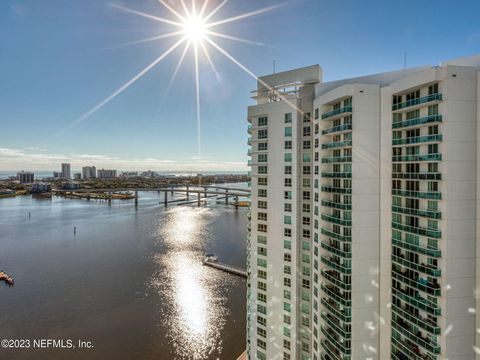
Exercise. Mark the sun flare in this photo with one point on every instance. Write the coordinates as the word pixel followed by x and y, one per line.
pixel 195 29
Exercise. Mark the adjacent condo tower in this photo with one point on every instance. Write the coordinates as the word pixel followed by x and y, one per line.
pixel 363 230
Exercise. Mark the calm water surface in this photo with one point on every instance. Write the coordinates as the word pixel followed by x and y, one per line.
pixel 131 281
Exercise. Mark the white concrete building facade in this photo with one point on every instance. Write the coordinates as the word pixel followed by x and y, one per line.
pixel 364 215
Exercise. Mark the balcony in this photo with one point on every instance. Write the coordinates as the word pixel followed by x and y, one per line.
pixel 335 325
pixel 342 175
pixel 417 320
pixel 417 212
pixel 417 301
pixel 417 121
pixel 340 111
pixel 418 101
pixel 250 128
pixel 434 233
pixel 423 268
pixel 335 235
pixel 402 351
pixel 418 157
pixel 417 175
pixel 336 129
pixel 336 220
pixel 336 159
pixel 336 205
pixel 335 341
pixel 336 265
pixel 328 275
pixel 336 190
pixel 416 283
pixel 332 306
pixel 408 332
pixel 336 296
pixel 432 195
pixel 417 140
pixel 336 251
pixel 249 141
pixel 337 144
pixel 331 352
pixel 419 249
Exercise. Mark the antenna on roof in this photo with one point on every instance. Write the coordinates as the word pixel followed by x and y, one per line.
pixel 404 60
pixel 274 63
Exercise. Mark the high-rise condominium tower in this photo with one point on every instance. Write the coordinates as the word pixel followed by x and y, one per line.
pixel 66 173
pixel 363 240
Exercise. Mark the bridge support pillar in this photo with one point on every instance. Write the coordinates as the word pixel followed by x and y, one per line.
pixel 110 198
pixel 198 198
pixel 226 197
pixel 165 198
pixel 236 202
pixel 188 193
pixel 205 193
pixel 136 198
pixel 172 190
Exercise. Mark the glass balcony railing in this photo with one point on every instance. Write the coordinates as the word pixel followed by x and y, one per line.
pixel 417 320
pixel 417 140
pixel 425 343
pixel 417 101
pixel 331 174
pixel 250 128
pixel 336 220
pixel 337 144
pixel 336 251
pixel 433 195
pixel 417 284
pixel 336 326
pixel 336 190
pixel 418 302
pixel 335 342
pixel 249 141
pixel 418 157
pixel 335 235
pixel 331 352
pixel 336 159
pixel 333 307
pixel 417 176
pixel 338 128
pixel 342 110
pixel 335 296
pixel 417 212
pixel 335 281
pixel 423 268
pixel 402 350
pixel 417 121
pixel 434 233
pixel 336 205
pixel 336 265
pixel 419 249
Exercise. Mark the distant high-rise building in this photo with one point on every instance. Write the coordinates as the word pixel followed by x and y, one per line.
pixel 77 176
pixel 57 174
pixel 25 177
pixel 89 172
pixel 66 171
pixel 364 217
pixel 106 174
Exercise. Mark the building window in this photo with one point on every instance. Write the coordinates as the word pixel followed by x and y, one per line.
pixel 288 157
pixel 288 131
pixel 263 121
pixel 288 170
pixel 307 144
pixel 262 146
pixel 306 157
pixel 262 204
pixel 307 131
pixel 262 133
pixel 262 181
pixel 288 182
pixel 316 113
pixel 262 192
pixel 288 118
pixel 287 232
pixel 288 145
pixel 262 169
pixel 262 157
pixel 262 228
pixel 288 195
pixel 262 216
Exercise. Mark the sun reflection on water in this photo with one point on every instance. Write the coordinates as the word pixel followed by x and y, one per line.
pixel 195 313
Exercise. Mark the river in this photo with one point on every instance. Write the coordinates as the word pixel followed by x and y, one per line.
pixel 130 281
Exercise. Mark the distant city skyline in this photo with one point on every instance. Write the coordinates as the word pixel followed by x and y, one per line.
pixel 51 77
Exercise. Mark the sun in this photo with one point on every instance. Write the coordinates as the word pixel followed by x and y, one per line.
pixel 195 29
pixel 194 26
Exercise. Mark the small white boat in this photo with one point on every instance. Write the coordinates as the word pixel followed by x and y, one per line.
pixel 210 258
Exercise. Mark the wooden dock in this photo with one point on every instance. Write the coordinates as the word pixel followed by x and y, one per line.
pixel 7 278
pixel 224 267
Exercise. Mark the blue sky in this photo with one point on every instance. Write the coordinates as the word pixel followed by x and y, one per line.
pixel 59 58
